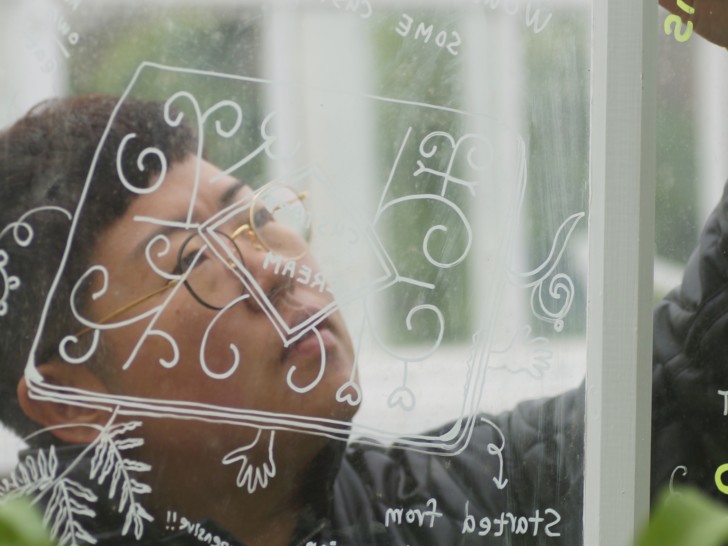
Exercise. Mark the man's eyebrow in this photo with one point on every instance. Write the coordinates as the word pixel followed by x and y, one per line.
pixel 232 191
pixel 166 227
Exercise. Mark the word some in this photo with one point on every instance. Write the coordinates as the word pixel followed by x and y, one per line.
pixel 444 39
pixel 518 525
pixel 673 23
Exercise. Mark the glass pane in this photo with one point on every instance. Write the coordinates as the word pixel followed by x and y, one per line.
pixel 296 272
pixel 690 401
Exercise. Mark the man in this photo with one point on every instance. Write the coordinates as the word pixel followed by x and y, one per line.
pixel 141 471
pixel 161 320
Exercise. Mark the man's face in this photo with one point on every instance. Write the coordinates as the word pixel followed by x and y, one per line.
pixel 231 358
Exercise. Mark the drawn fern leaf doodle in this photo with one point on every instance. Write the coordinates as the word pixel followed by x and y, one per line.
pixel 64 507
pixel 31 475
pixel 109 464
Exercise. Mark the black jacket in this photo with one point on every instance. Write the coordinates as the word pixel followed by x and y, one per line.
pixel 690 367
pixel 518 482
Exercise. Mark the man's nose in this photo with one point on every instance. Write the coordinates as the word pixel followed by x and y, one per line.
pixel 272 272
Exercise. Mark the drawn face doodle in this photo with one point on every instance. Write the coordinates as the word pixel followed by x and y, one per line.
pixel 203 372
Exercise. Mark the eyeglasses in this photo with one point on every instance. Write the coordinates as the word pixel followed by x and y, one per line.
pixel 277 221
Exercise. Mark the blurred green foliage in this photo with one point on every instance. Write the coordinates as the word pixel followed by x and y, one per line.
pixel 21 525
pixel 686 518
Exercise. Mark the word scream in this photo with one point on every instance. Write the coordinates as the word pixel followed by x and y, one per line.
pixel 673 23
pixel 301 273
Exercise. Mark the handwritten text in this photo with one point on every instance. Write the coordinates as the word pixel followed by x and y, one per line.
pixel 444 39
pixel 517 525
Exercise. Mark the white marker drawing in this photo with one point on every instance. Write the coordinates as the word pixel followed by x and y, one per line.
pixel 67 500
pixel 403 396
pixel 322 367
pixel 109 462
pixel 538 359
pixel 435 155
pixel 559 286
pixel 683 471
pixel 250 476
pixel 493 449
pixel 23 235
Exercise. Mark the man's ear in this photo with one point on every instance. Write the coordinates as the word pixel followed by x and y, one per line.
pixel 52 414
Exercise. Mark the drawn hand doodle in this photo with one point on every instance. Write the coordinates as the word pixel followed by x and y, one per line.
pixel 68 500
pixel 539 357
pixel 493 449
pixel 250 476
pixel 560 285
pixel 684 472
pixel 108 461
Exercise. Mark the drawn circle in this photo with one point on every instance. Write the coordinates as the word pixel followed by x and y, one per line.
pixel 719 483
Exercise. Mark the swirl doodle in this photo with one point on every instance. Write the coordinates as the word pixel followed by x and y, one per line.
pixel 438 228
pixel 560 285
pixel 23 235
pixel 683 471
pixel 429 149
pixel 322 367
pixel 236 352
pixel 141 165
pixel 9 282
pixel 493 449
pixel 269 141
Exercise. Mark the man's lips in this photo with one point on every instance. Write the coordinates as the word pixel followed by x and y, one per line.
pixel 319 339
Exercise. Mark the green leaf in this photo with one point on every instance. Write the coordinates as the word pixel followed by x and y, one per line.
pixel 686 518
pixel 21 525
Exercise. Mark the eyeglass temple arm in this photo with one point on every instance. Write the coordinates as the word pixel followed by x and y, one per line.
pixel 169 284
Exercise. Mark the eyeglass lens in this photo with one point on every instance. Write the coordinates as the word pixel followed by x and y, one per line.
pixel 282 222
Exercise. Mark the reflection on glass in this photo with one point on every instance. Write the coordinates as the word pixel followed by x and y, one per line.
pixel 286 271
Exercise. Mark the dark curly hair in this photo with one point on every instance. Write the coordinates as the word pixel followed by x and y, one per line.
pixel 45 159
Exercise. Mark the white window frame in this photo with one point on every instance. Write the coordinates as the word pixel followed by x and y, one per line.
pixel 621 257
